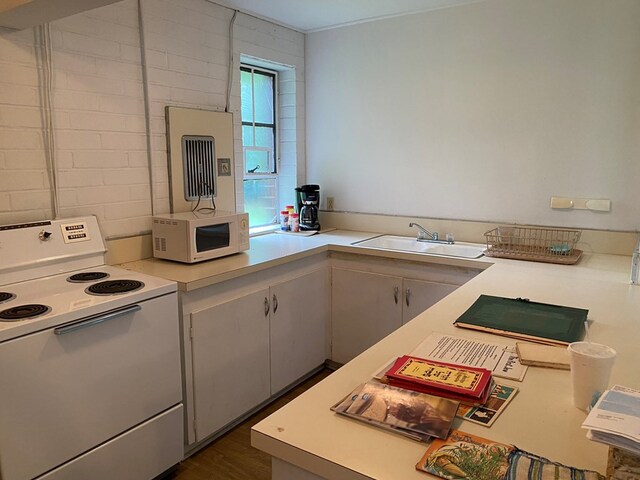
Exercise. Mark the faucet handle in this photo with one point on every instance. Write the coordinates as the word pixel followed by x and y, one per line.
pixel 449 238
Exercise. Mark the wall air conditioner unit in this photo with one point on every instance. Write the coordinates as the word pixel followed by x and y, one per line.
pixel 200 157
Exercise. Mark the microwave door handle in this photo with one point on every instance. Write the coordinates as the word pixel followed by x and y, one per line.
pixel 95 320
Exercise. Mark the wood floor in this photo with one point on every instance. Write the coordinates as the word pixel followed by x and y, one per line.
pixel 231 457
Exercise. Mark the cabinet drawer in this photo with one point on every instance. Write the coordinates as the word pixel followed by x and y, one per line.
pixel 139 454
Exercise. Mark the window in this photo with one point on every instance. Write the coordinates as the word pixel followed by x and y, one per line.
pixel 259 140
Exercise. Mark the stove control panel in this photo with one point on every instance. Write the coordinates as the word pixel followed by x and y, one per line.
pixel 75 232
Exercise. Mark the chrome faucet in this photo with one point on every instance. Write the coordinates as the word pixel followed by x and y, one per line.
pixel 425 235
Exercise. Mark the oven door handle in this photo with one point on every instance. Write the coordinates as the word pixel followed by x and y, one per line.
pixel 96 319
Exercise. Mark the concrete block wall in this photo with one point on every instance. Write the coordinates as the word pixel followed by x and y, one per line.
pixel 104 164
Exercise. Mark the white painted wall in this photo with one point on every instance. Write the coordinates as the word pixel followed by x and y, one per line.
pixel 98 105
pixel 481 112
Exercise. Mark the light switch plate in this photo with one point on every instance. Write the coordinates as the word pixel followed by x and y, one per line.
pixel 594 204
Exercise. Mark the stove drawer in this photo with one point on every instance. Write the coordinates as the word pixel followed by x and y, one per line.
pixel 143 452
pixel 64 394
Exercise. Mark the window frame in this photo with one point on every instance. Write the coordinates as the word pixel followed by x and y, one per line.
pixel 273 173
pixel 246 67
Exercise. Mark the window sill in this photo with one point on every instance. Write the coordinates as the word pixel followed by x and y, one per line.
pixel 265 229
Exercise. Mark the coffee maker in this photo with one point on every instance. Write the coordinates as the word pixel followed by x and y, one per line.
pixel 308 200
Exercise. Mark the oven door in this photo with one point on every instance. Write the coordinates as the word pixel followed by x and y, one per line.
pixel 66 392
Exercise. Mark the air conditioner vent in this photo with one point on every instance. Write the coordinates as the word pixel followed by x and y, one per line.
pixel 199 163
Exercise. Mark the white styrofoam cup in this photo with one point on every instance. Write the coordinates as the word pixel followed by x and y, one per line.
pixel 591 365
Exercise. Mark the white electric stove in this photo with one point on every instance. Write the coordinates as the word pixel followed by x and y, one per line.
pixel 89 359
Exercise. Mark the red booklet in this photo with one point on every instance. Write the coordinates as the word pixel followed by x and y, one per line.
pixel 460 382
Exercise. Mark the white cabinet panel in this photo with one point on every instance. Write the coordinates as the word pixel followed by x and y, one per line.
pixel 366 307
pixel 230 348
pixel 419 295
pixel 299 321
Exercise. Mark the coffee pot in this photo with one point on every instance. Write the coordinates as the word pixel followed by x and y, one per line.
pixel 308 199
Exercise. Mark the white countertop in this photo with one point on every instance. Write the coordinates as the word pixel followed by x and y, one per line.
pixel 265 251
pixel 275 249
pixel 541 419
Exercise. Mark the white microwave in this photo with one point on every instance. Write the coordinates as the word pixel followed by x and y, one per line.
pixel 191 237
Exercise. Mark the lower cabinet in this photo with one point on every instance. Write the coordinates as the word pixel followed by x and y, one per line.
pixel 249 338
pixel 230 351
pixel 299 325
pixel 246 349
pixel 367 306
pixel 418 295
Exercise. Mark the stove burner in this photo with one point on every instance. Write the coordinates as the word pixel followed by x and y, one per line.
pixel 87 277
pixel 6 296
pixel 22 312
pixel 114 287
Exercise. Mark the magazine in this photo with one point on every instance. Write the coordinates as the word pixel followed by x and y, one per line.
pixel 414 414
pixel 615 419
pixel 342 406
pixel 466 456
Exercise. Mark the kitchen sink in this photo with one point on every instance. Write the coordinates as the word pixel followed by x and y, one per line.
pixel 410 244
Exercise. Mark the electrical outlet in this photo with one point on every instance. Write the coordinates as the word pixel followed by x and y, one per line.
pixel 330 201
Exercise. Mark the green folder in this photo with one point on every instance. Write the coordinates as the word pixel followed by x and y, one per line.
pixel 524 319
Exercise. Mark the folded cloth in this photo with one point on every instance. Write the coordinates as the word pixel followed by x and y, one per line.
pixel 527 466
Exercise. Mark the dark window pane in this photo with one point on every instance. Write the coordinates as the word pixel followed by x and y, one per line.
pixel 212 237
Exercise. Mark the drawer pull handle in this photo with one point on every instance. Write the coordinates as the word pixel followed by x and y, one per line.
pixel 396 290
pixel 95 320
pixel 275 303
pixel 266 306
pixel 407 295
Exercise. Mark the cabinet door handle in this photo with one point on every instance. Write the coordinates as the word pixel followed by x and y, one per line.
pixel 266 306
pixel 396 291
pixel 275 303
pixel 407 294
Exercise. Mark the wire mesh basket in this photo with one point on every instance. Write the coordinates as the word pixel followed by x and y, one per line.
pixel 550 245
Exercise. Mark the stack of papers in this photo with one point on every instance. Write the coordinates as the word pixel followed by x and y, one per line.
pixel 615 419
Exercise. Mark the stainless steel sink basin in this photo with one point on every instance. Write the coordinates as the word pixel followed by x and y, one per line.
pixel 410 244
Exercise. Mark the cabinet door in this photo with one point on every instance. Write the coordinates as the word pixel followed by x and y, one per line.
pixel 230 348
pixel 419 295
pixel 365 308
pixel 299 321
